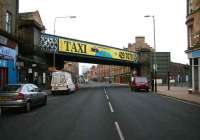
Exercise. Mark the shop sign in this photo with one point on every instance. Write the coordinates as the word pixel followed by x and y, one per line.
pixel 30 70
pixel 7 52
pixel 20 64
pixel 3 63
pixel 186 78
pixel 195 54
pixel 34 65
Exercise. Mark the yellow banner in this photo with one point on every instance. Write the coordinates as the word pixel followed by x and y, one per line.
pixel 78 47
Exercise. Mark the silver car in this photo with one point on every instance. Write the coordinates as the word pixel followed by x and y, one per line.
pixel 21 95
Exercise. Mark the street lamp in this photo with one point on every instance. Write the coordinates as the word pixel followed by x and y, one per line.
pixel 54 32
pixel 154 38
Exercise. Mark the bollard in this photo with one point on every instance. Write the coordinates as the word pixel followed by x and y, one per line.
pixel 190 91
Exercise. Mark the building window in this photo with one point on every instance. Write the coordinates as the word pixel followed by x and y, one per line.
pixel 191 61
pixel 190 30
pixel 196 61
pixel 8 22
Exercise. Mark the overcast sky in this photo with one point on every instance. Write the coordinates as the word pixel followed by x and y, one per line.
pixel 117 22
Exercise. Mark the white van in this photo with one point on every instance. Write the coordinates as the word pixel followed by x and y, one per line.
pixel 61 82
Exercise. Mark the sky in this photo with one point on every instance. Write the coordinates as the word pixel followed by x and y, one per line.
pixel 117 22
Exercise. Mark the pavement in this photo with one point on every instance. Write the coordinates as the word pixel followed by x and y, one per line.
pixel 180 93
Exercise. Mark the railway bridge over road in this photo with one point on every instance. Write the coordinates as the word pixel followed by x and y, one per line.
pixel 62 49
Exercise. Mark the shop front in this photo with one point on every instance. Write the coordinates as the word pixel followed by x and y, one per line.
pixel 7 66
pixel 194 57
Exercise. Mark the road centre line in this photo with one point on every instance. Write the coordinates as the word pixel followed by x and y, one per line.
pixel 105 91
pixel 119 131
pixel 116 123
pixel 111 108
pixel 107 97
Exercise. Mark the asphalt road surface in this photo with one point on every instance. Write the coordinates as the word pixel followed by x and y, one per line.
pixel 104 114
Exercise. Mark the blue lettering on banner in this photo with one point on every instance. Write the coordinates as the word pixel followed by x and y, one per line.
pixel 3 63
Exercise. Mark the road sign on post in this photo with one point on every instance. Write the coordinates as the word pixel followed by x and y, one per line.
pixel 155 67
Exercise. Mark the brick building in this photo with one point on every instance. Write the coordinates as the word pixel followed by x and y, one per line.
pixel 116 74
pixel 72 67
pixel 121 74
pixel 91 74
pixel 179 73
pixel 139 45
pixel 193 49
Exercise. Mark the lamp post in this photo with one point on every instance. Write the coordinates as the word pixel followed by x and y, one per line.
pixel 154 41
pixel 54 32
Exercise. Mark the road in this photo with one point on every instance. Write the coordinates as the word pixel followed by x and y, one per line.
pixel 104 114
pixel 92 84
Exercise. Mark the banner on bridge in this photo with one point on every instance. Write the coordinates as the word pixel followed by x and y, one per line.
pixel 64 45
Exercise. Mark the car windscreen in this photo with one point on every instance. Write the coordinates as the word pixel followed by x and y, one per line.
pixel 10 88
pixel 141 79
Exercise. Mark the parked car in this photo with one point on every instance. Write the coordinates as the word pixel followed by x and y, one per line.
pixel 21 95
pixel 139 83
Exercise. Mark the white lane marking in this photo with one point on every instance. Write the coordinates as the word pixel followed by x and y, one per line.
pixel 111 108
pixel 175 99
pixel 107 97
pixel 105 91
pixel 119 131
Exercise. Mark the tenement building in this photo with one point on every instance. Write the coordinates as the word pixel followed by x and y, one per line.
pixel 31 62
pixel 8 41
pixel 193 49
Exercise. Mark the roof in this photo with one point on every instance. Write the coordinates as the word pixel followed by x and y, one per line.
pixel 33 17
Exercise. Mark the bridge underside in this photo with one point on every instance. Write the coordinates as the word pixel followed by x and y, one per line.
pixel 60 58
